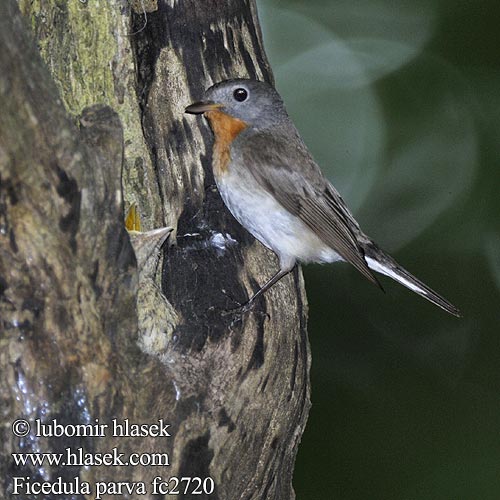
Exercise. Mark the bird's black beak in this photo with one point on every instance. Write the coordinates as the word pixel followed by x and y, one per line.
pixel 198 108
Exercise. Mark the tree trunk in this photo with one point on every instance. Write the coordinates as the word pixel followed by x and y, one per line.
pixel 91 330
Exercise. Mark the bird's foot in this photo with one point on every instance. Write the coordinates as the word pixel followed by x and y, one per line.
pixel 239 312
pixel 240 309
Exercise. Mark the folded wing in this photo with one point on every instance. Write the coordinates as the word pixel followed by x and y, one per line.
pixel 284 168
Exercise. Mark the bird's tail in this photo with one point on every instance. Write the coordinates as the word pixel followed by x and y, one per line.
pixel 383 263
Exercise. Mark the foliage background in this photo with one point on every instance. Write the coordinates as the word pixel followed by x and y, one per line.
pixel 400 104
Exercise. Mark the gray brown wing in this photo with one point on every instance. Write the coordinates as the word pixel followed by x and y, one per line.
pixel 284 168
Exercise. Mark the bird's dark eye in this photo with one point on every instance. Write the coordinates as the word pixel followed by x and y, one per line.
pixel 240 94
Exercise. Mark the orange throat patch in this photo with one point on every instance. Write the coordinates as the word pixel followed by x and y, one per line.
pixel 225 128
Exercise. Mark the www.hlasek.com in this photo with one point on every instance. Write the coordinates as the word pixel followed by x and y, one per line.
pixel 23 484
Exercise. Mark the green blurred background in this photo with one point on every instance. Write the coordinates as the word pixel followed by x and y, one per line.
pixel 400 104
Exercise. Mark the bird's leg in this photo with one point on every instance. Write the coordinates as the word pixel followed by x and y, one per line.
pixel 280 274
pixel 285 268
pixel 286 265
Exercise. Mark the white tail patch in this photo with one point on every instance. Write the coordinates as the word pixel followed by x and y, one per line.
pixel 379 268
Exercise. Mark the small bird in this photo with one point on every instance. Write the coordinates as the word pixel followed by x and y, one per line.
pixel 273 187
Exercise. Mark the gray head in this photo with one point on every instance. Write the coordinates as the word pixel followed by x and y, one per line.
pixel 254 102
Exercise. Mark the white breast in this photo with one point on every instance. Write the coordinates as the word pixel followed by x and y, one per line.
pixel 260 214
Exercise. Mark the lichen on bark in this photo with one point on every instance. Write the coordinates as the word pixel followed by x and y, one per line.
pixel 234 389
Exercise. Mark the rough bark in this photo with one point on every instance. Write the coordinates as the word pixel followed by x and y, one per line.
pixel 85 333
